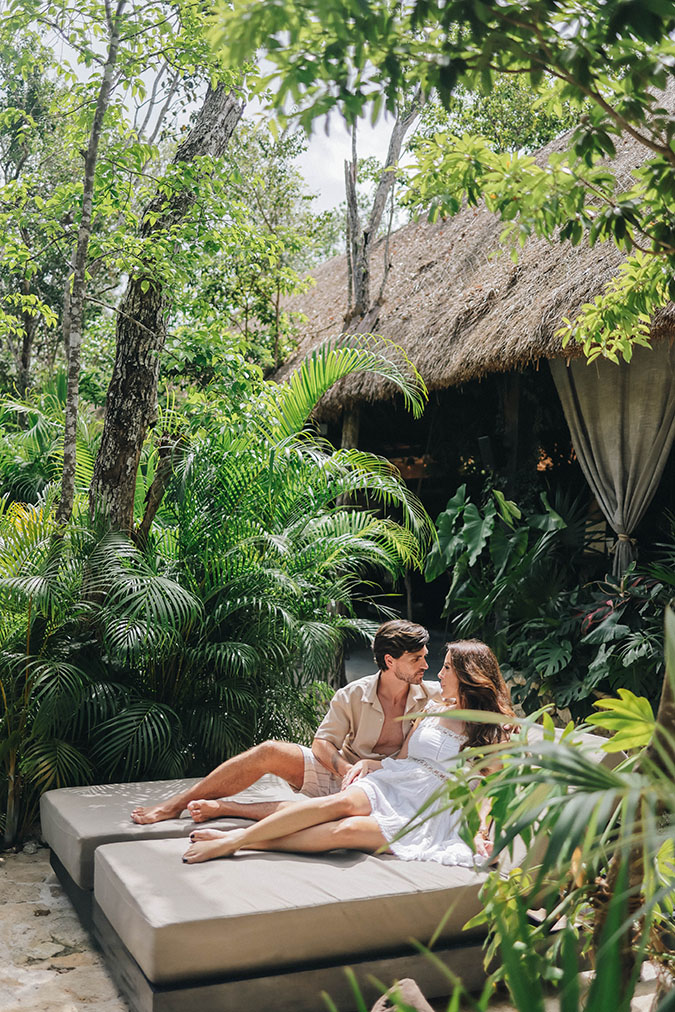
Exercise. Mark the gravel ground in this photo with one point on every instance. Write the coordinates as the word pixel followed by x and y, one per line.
pixel 48 962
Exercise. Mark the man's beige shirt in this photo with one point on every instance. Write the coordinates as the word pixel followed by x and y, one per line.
pixel 355 718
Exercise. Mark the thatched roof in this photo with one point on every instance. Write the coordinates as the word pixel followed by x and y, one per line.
pixel 458 308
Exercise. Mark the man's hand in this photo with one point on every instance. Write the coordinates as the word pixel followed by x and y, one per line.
pixel 360 769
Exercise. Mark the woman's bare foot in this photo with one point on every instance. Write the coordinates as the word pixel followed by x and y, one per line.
pixel 143 815
pixel 202 811
pixel 207 834
pixel 206 850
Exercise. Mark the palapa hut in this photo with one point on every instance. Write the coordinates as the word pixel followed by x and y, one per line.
pixel 463 313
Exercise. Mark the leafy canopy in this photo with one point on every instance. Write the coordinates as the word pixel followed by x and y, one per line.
pixel 613 61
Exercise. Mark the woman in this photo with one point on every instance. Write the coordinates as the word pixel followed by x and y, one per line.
pixel 372 811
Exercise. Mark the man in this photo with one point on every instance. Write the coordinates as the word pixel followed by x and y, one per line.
pixel 363 723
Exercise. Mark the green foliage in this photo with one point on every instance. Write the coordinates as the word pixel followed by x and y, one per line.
pixel 31 442
pixel 621 623
pixel 503 566
pixel 512 116
pixel 514 582
pixel 630 717
pixel 611 62
pixel 119 662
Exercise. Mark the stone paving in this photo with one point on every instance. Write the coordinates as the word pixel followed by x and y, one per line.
pixel 48 962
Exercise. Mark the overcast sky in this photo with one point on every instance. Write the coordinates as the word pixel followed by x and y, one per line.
pixel 322 164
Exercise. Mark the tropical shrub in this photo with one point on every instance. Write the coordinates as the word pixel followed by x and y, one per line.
pixel 31 438
pixel 515 581
pixel 123 660
pixel 71 605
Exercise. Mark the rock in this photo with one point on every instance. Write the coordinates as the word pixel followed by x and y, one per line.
pixel 30 847
pixel 408 993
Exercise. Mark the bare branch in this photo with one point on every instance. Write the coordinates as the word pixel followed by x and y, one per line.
pixel 173 87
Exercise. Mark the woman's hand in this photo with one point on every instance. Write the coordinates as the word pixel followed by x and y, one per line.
pixel 483 843
pixel 360 769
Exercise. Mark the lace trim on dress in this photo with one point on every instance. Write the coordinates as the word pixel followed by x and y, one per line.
pixel 448 730
pixel 432 769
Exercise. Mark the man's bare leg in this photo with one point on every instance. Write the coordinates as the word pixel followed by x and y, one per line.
pixel 353 833
pixel 202 811
pixel 282 758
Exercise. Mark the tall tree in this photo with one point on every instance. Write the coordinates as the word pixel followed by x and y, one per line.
pixel 73 309
pixel 141 320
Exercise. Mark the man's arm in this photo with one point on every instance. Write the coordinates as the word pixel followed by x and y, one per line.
pixel 329 756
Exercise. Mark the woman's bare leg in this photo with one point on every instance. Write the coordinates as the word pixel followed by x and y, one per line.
pixel 285 822
pixel 205 809
pixel 354 833
pixel 206 834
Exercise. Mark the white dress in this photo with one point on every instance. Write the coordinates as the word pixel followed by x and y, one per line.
pixel 397 791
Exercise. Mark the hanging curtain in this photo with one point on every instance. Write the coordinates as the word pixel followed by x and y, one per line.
pixel 622 422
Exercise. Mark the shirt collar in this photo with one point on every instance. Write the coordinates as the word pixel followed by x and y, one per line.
pixel 416 693
pixel 370 688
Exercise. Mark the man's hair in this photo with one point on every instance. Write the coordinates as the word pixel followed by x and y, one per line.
pixel 396 638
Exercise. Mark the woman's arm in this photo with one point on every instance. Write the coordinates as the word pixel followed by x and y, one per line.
pixel 482 841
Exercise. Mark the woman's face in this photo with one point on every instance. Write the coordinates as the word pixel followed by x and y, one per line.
pixel 449 680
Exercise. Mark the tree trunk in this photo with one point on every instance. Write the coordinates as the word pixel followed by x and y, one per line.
pixel 362 238
pixel 141 331
pixel 73 305
pixel 26 353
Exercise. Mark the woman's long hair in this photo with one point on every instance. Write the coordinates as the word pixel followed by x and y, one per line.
pixel 481 687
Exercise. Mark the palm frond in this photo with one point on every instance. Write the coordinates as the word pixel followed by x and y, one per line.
pixel 291 403
pixel 136 740
pixel 52 762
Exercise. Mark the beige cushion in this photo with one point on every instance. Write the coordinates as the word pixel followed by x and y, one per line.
pixel 258 912
pixel 76 820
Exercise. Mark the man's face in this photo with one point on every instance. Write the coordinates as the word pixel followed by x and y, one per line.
pixel 409 667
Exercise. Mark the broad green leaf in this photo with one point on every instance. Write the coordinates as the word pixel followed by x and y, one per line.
pixel 631 718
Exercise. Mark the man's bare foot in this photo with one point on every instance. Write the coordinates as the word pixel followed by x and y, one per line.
pixel 206 850
pixel 144 815
pixel 202 811
pixel 207 834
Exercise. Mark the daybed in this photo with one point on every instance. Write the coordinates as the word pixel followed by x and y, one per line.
pixel 258 931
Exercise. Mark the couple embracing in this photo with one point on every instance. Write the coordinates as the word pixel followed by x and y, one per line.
pixel 367 772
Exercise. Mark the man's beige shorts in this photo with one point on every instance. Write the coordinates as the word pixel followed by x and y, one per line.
pixel 319 782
